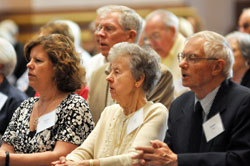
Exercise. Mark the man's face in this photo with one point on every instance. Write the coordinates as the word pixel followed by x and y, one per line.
pixel 244 21
pixel 161 38
pixel 197 74
pixel 109 32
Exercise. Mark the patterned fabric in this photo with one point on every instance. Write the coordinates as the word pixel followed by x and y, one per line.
pixel 73 124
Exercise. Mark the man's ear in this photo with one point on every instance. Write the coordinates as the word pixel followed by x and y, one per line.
pixel 218 67
pixel 172 29
pixel 131 36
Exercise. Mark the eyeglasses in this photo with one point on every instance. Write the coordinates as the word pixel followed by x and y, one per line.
pixel 192 58
pixel 106 28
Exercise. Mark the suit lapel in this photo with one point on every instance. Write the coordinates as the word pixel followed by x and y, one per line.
pixel 218 106
pixel 183 121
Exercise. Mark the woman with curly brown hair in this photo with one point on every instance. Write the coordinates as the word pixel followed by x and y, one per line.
pixel 46 127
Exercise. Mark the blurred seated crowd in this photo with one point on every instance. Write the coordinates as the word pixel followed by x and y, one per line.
pixel 159 91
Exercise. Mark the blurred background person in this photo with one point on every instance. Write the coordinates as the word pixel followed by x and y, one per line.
pixel 244 21
pixel 196 23
pixel 9 30
pixel 240 43
pixel 162 31
pixel 185 27
pixel 116 23
pixel 10 97
pixel 134 120
pixel 46 127
pixel 76 32
pixel 93 49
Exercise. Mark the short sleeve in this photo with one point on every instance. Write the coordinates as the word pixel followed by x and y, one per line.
pixel 21 113
pixel 75 121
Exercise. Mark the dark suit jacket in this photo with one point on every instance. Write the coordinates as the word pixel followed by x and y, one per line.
pixel 232 147
pixel 246 79
pixel 15 98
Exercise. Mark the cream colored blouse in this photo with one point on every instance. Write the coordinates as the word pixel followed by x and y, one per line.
pixel 112 145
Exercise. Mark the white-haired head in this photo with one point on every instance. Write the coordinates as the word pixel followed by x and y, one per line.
pixel 7 57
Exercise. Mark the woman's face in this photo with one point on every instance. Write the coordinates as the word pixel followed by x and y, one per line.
pixel 40 69
pixel 239 60
pixel 121 81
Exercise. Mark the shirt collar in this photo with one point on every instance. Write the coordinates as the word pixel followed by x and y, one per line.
pixel 207 101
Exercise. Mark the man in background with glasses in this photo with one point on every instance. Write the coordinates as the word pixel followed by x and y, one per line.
pixel 210 124
pixel 161 31
pixel 244 21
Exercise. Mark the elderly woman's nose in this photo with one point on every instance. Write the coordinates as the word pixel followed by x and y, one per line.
pixel 109 78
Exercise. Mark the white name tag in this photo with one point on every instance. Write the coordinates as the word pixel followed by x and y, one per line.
pixel 213 127
pixel 3 99
pixel 46 121
pixel 135 121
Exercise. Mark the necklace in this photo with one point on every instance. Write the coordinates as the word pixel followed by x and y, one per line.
pixel 39 110
pixel 35 122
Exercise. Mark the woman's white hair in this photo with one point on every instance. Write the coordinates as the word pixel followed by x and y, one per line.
pixel 7 57
pixel 143 61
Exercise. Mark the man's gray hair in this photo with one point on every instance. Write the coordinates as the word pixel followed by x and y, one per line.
pixel 168 18
pixel 143 61
pixel 243 41
pixel 7 57
pixel 216 46
pixel 129 19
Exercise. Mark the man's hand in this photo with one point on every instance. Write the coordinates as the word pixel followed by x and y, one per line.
pixel 159 154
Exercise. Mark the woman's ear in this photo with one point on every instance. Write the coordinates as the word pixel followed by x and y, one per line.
pixel 140 81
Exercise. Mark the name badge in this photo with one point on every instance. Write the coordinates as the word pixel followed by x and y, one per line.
pixel 3 99
pixel 213 127
pixel 135 121
pixel 46 121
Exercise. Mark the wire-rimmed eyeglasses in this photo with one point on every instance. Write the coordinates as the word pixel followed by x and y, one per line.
pixel 192 58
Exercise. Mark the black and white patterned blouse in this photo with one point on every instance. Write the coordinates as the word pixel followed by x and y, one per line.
pixel 73 124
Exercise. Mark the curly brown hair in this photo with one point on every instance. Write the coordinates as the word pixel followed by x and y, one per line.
pixel 69 74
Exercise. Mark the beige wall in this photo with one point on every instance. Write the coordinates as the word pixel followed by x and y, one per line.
pixel 86 4
pixel 43 5
pixel 217 15
pixel 16 5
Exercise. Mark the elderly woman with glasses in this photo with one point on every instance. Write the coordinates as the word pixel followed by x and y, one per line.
pixel 240 43
pixel 133 121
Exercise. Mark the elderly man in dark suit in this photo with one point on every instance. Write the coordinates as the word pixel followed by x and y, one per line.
pixel 208 126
